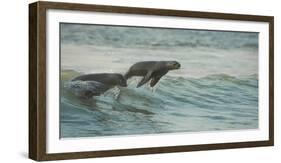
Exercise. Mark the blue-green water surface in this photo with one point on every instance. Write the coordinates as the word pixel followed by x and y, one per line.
pixel 216 88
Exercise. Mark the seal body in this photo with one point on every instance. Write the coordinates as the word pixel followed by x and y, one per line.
pixel 151 70
pixel 95 84
pixel 110 79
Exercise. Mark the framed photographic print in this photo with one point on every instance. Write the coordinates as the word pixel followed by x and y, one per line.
pixel 112 81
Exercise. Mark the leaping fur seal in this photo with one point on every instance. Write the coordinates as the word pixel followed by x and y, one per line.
pixel 153 70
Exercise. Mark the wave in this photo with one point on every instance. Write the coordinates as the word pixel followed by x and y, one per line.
pixel 206 91
pixel 165 108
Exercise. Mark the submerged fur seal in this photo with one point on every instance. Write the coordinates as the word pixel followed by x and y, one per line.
pixel 99 83
pixel 153 70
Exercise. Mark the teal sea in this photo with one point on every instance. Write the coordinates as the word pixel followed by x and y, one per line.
pixel 216 88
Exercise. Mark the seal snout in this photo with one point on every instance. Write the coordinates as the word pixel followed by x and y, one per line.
pixel 175 65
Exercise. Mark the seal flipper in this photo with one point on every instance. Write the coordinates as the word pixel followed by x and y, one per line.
pixel 154 81
pixel 145 79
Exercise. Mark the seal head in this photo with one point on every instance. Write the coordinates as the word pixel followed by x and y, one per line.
pixel 173 65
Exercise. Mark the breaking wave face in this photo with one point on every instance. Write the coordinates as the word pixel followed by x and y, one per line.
pixel 175 104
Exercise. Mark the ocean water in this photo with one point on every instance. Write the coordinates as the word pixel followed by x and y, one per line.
pixel 216 88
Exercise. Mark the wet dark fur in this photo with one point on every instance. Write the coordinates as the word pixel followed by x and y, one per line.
pixel 151 70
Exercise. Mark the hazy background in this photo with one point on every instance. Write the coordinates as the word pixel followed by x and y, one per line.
pixel 96 48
